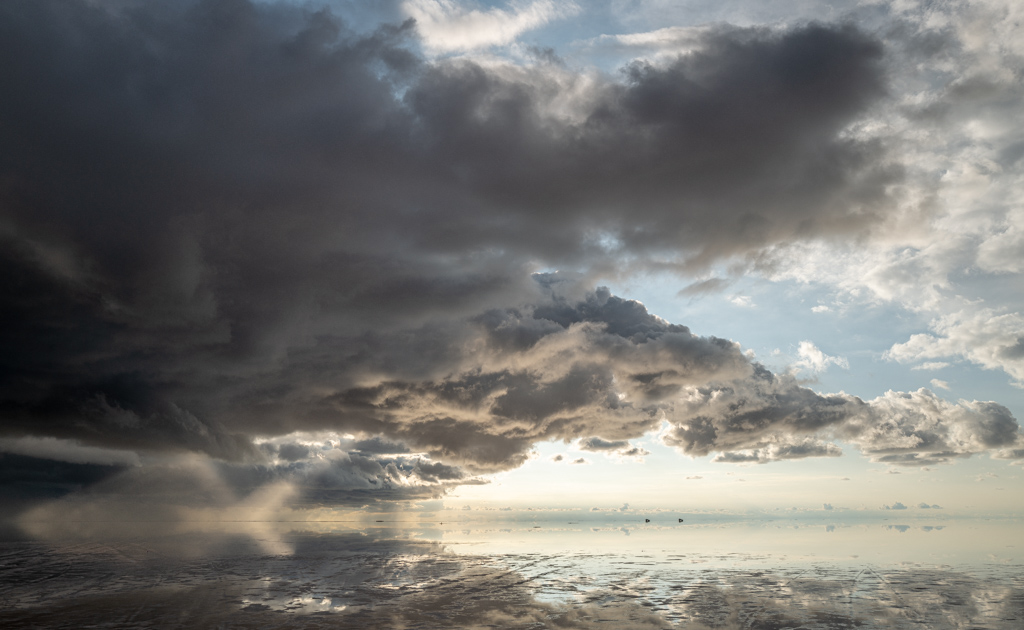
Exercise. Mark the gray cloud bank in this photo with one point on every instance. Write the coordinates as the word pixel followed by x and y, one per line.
pixel 223 221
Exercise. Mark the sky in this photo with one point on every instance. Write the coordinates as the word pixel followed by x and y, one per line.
pixel 438 254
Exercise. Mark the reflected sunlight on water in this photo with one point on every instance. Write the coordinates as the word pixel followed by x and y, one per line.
pixel 518 573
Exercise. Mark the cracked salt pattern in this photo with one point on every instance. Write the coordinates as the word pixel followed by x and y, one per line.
pixel 391 579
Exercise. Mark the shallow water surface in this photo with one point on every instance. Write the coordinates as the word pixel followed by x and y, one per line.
pixel 537 574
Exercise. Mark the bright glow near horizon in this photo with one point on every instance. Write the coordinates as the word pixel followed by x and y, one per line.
pixel 667 480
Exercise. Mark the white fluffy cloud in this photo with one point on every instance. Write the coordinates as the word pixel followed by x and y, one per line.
pixel 950 246
pixel 769 417
pixel 984 336
pixel 451 26
pixel 919 428
pixel 778 450
pixel 815 361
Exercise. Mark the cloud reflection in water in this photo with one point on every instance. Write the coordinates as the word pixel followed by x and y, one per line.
pixel 512 577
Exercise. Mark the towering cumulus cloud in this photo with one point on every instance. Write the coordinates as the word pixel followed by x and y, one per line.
pixel 251 232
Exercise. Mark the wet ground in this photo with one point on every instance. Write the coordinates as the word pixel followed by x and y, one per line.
pixel 388 578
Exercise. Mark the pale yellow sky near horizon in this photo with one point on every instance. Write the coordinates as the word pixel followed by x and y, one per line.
pixel 669 480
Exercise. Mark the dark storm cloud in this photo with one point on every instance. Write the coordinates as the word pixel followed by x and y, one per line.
pixel 597 444
pixel 754 412
pixel 377 444
pixel 358 480
pixel 222 221
pixel 346 472
pixel 173 490
pixel 727 149
pixel 605 369
pixel 619 448
pixel 28 480
pixel 601 365
pixel 293 452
